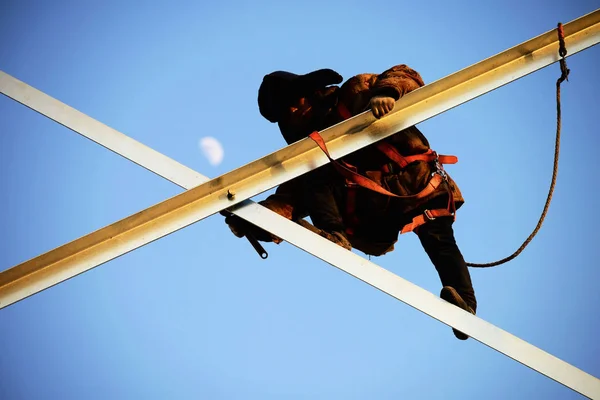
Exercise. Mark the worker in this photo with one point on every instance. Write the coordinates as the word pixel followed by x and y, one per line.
pixel 370 196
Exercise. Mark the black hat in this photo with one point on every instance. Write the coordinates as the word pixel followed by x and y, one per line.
pixel 279 89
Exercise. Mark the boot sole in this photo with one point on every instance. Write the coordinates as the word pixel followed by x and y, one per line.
pixel 451 296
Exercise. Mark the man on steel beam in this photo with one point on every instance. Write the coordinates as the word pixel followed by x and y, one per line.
pixel 369 197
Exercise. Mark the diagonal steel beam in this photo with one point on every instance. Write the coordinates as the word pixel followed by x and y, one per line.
pixel 91 248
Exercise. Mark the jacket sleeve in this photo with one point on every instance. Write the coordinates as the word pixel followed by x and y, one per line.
pixel 396 82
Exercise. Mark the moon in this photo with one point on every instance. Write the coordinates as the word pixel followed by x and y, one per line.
pixel 212 150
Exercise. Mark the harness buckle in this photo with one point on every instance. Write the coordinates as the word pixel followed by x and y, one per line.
pixel 427 215
pixel 439 168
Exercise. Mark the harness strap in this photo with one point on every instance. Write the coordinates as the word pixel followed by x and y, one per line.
pixel 393 154
pixel 430 215
pixel 343 111
pixel 348 172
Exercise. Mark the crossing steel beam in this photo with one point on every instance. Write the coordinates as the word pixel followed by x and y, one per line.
pixel 206 198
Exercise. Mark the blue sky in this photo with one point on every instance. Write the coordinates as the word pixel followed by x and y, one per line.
pixel 198 315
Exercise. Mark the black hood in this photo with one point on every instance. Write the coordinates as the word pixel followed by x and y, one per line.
pixel 280 89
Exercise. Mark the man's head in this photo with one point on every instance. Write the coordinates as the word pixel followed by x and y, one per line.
pixel 281 90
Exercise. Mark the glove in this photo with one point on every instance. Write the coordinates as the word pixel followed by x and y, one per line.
pixel 381 105
pixel 240 228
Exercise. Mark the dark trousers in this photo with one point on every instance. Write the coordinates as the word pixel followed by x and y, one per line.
pixel 437 238
pixel 323 191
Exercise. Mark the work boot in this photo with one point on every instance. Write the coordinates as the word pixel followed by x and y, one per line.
pixel 338 238
pixel 450 294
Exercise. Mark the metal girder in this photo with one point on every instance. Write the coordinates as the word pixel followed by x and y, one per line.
pixel 132 232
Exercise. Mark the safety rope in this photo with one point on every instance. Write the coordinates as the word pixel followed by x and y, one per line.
pixel 562 51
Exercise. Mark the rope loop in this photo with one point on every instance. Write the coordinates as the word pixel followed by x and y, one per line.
pixel 562 51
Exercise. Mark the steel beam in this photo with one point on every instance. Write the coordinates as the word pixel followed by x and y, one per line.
pixel 157 221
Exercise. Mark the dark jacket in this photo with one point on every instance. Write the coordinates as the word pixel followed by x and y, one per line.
pixel 378 215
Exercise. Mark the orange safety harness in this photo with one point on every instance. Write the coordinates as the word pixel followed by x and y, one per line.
pixel 355 179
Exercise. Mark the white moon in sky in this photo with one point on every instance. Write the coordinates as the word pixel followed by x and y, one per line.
pixel 212 150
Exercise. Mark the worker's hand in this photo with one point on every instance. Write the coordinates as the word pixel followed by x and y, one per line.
pixel 237 225
pixel 241 228
pixel 381 105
